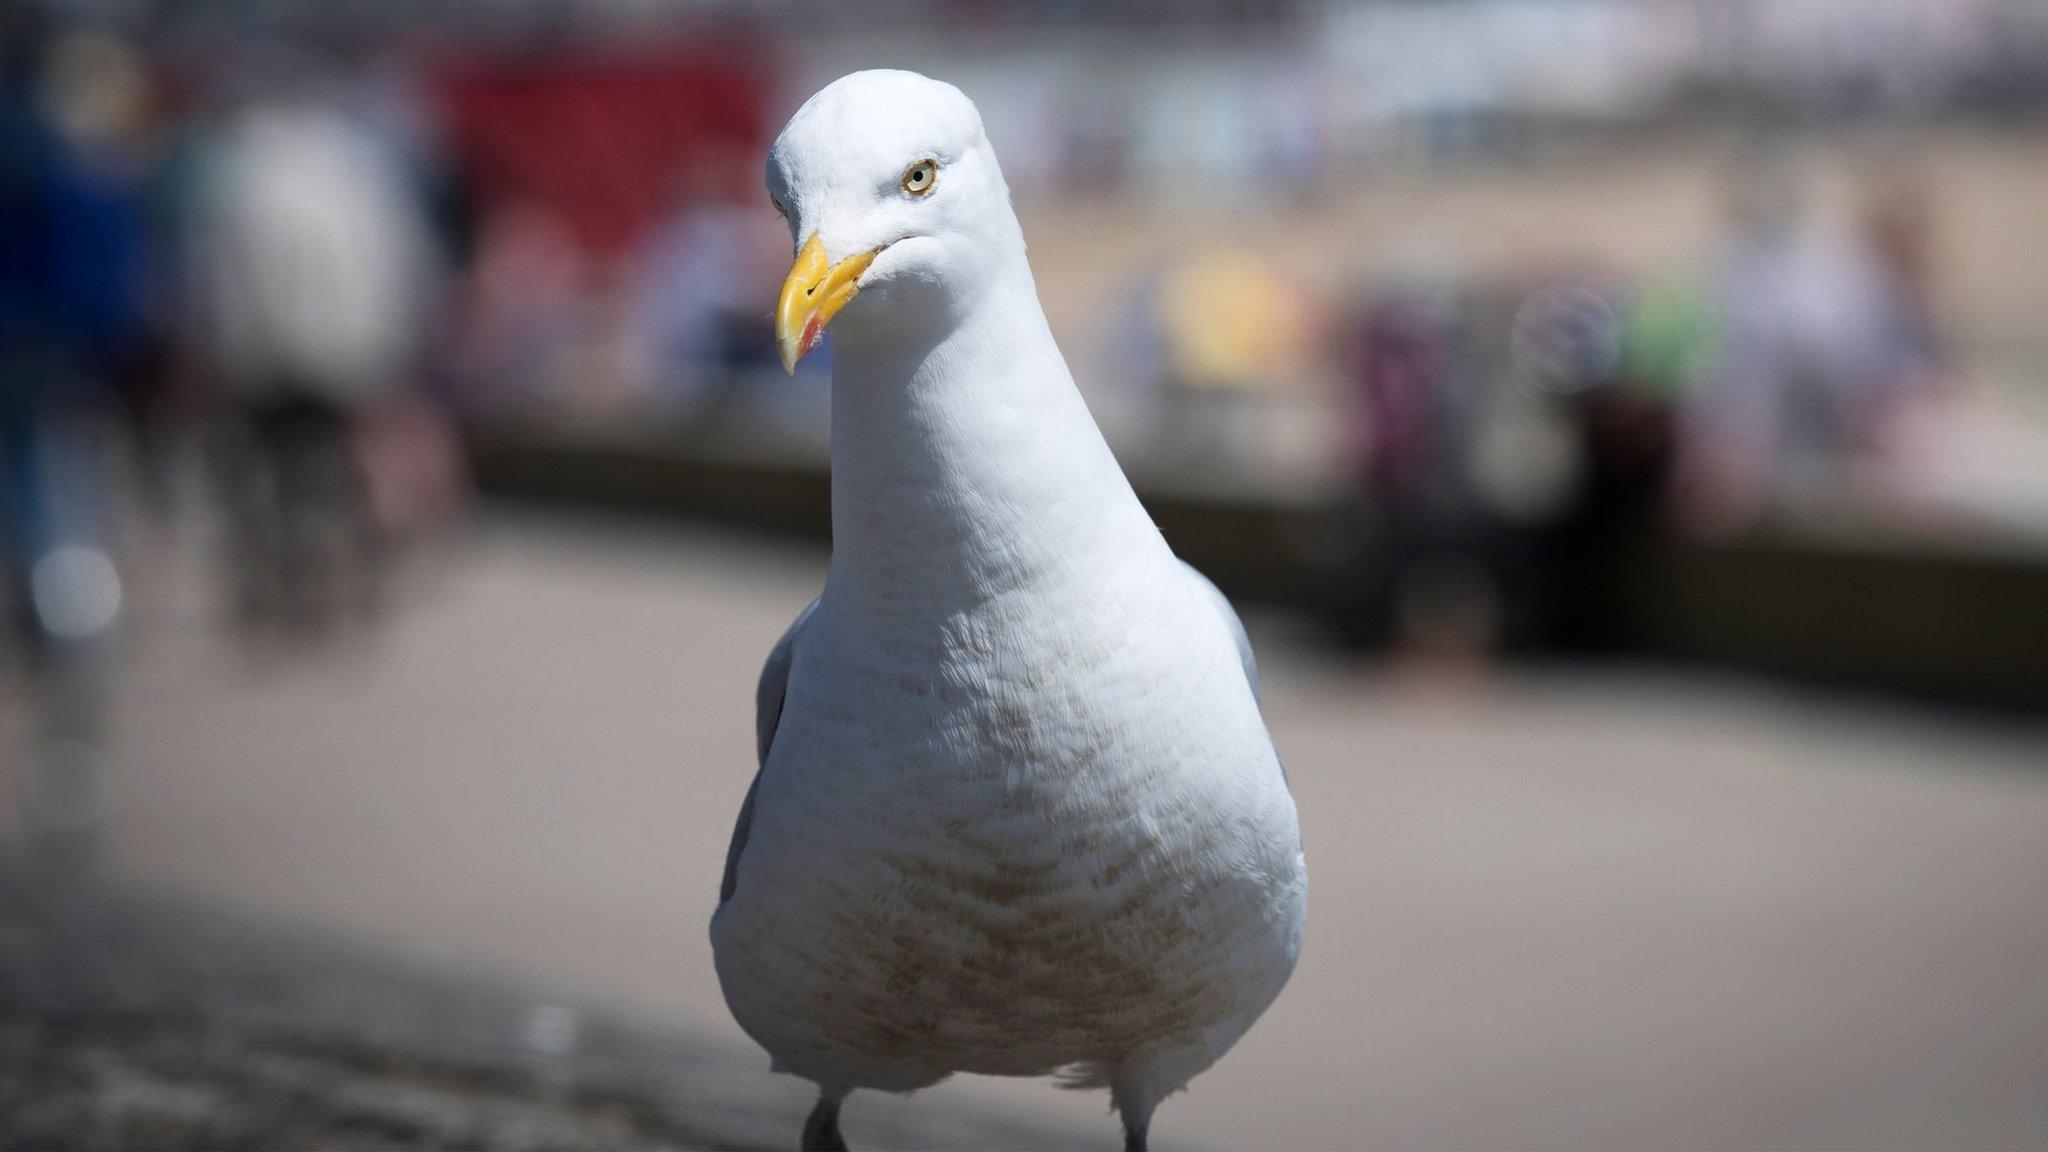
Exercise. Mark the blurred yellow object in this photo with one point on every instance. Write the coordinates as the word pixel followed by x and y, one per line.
pixel 1230 319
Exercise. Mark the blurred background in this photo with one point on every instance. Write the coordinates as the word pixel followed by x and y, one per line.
pixel 1626 434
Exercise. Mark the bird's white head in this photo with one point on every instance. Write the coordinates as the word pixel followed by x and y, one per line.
pixel 892 193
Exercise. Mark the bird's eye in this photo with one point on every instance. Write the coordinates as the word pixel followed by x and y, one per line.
pixel 779 209
pixel 919 177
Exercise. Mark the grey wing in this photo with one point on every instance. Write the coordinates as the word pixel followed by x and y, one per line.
pixel 768 695
pixel 1244 642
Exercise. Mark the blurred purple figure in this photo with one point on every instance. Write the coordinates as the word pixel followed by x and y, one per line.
pixel 1400 362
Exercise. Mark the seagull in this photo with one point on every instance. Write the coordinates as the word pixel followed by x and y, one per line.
pixel 1017 812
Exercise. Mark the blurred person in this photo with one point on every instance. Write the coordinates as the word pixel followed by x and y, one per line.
pixel 696 287
pixel 313 272
pixel 1398 358
pixel 71 259
pixel 102 96
pixel 1622 413
pixel 1492 436
pixel 524 310
pixel 1395 350
pixel 70 307
pixel 1430 559
pixel 1816 328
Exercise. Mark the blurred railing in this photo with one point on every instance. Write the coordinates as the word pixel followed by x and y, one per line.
pixel 1859 607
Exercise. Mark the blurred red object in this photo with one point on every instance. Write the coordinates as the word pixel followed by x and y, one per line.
pixel 599 136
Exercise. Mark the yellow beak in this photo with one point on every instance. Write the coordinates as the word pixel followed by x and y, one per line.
pixel 813 294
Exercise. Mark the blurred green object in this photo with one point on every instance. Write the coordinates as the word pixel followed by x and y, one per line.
pixel 1668 337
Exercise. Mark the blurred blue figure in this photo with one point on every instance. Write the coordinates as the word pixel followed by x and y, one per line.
pixel 71 267
pixel 71 274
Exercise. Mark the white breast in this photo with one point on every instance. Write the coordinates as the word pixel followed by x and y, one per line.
pixel 1019 840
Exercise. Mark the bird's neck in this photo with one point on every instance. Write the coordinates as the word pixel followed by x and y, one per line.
pixel 965 463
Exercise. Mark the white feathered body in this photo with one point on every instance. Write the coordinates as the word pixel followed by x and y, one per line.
pixel 1019 811
pixel 1003 843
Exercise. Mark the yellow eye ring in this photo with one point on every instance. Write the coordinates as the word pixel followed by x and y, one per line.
pixel 919 177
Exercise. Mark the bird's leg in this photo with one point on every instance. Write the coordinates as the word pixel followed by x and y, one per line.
pixel 821 1131
pixel 1137 1115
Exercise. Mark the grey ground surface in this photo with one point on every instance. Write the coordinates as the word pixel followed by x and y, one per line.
pixel 140 1022
pixel 1548 907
